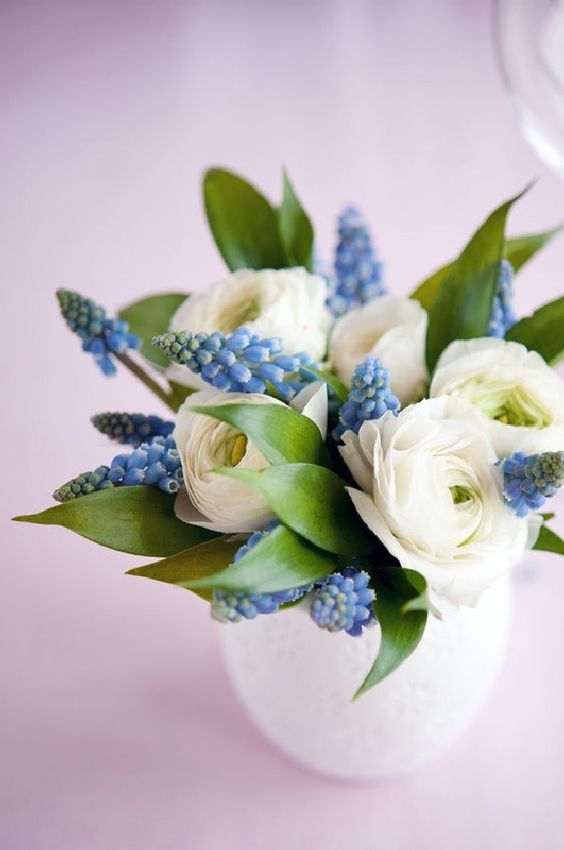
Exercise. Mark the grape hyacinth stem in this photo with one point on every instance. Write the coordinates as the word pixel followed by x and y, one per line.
pixel 140 373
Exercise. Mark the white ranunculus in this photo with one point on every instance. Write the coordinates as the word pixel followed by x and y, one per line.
pixel 392 329
pixel 519 398
pixel 431 492
pixel 289 303
pixel 213 500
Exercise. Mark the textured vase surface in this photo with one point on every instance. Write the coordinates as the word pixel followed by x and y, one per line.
pixel 296 682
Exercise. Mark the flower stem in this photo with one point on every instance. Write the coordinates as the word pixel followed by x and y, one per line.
pixel 140 373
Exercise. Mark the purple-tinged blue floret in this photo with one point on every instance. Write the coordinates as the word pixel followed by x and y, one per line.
pixel 240 362
pixel 358 273
pixel 155 462
pixel 344 602
pixel 132 428
pixel 529 480
pixel 370 397
pixel 503 313
pixel 102 337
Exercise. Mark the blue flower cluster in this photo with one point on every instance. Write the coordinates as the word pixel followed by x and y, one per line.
pixel 156 462
pixel 358 274
pixel 100 336
pixel 344 602
pixel 131 428
pixel 232 607
pixel 530 479
pixel 241 362
pixel 370 396
pixel 503 315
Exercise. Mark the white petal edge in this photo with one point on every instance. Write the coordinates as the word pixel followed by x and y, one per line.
pixel 313 402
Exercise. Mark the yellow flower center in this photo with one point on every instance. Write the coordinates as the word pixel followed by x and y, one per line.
pixel 236 450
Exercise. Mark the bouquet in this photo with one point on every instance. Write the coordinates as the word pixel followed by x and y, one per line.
pixel 375 458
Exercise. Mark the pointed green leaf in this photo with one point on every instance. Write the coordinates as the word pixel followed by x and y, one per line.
pixel 205 559
pixel 312 501
pixel 139 520
pixel 518 251
pixel 549 541
pixel 243 223
pixel 295 228
pixel 283 435
pixel 401 629
pixel 280 561
pixel 151 316
pixel 463 305
pixel 543 331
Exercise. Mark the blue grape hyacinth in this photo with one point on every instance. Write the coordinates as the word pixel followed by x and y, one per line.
pixel 531 479
pixel 102 337
pixel 344 602
pixel 155 462
pixel 240 362
pixel 232 607
pixel 131 428
pixel 370 396
pixel 503 314
pixel 358 273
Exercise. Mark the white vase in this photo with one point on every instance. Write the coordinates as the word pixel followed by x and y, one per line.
pixel 296 682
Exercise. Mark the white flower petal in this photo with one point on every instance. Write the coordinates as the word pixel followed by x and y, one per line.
pixel 289 303
pixel 392 329
pixel 433 495
pixel 312 402
pixel 495 375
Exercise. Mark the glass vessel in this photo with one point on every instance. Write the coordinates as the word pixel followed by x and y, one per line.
pixel 530 46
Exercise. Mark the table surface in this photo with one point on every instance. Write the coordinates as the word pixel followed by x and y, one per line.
pixel 119 729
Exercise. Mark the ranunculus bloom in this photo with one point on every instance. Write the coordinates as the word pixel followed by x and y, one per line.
pixel 288 303
pixel 431 492
pixel 519 398
pixel 213 500
pixel 390 328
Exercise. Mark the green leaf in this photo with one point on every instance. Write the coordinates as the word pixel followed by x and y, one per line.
pixel 295 228
pixel 283 435
pixel 340 390
pixel 463 305
pixel 543 331
pixel 280 561
pixel 401 629
pixel 243 223
pixel 549 541
pixel 178 394
pixel 518 251
pixel 273 392
pixel 139 520
pixel 312 500
pixel 151 316
pixel 202 560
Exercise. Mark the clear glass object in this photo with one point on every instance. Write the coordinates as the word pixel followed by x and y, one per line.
pixel 530 45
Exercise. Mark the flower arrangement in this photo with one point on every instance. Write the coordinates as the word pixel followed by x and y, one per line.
pixel 372 457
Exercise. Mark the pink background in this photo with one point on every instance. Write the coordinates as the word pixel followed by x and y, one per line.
pixel 119 729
